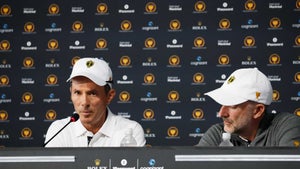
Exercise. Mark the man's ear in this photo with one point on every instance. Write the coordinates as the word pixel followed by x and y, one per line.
pixel 259 111
pixel 110 95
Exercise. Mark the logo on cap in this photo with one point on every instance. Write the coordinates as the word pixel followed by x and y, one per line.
pixel 230 80
pixel 89 63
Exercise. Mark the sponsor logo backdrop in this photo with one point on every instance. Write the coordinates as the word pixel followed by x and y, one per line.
pixel 164 55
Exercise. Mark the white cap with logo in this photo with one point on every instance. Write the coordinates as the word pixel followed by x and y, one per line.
pixel 246 84
pixel 95 69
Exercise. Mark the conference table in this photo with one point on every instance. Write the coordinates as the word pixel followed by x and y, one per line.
pixel 161 157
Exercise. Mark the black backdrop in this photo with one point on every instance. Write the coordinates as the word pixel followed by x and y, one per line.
pixel 164 55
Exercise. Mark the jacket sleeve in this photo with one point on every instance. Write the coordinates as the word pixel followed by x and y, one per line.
pixel 212 137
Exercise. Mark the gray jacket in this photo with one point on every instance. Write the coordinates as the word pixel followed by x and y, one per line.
pixel 282 129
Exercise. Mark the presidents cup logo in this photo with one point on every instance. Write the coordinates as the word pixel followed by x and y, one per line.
pixel 174 24
pixel 173 131
pixel 4 80
pixel 148 114
pixel 150 7
pixel 26 132
pixel 200 6
pixel 126 25
pixel 174 60
pixel 53 9
pixel 29 27
pixel 149 78
pixel 50 115
pixel 199 42
pixel 28 62
pixel 5 10
pixel 3 115
pixel 224 23
pixel 250 5
pixel 276 95
pixel 198 78
pixel 249 41
pixel 274 59
pixel 150 43
pixel 224 59
pixel 297 77
pixel 52 44
pixel 77 26
pixel 74 60
pixel 124 96
pixel 298 4
pixel 27 97
pixel 275 23
pixel 198 114
pixel 125 61
pixel 101 43
pixel 297 40
pixel 173 96
pixel 4 45
pixel 52 79
pixel 297 112
pixel 102 8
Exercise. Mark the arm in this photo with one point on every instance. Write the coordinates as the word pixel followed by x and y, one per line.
pixel 212 137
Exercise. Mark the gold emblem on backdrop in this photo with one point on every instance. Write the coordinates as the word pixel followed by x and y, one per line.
pixel 125 61
pixel 74 60
pixel 51 79
pixel 198 113
pixel 297 77
pixel 200 6
pixel 50 115
pixel 224 23
pixel 77 26
pixel 28 62
pixel 148 114
pixel 53 9
pixel 173 131
pixel 4 80
pixel 149 78
pixel 297 112
pixel 199 42
pixel 223 59
pixel 3 115
pixel 175 24
pixel 29 27
pixel 97 162
pixel 275 23
pixel 298 4
pixel 52 44
pixel 27 97
pixel 249 41
pixel 26 132
pixel 4 45
pixel 150 43
pixel 102 8
pixel 150 7
pixel 174 60
pixel 250 5
pixel 173 96
pixel 274 59
pixel 276 95
pixel 5 10
pixel 124 96
pixel 126 25
pixel 297 40
pixel 101 43
pixel 198 78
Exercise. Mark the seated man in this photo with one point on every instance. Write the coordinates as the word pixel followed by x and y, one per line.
pixel 244 98
pixel 91 93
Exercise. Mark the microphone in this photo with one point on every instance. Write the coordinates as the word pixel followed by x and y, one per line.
pixel 73 118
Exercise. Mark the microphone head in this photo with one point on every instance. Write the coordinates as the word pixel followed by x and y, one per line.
pixel 74 117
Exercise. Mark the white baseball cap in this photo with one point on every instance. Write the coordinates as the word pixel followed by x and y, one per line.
pixel 246 84
pixel 95 69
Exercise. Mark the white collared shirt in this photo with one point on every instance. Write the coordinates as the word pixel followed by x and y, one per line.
pixel 109 135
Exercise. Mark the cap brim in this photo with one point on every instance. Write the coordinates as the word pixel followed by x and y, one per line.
pixel 225 98
pixel 89 76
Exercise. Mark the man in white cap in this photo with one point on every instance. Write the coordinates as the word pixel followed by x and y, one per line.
pixel 91 93
pixel 244 98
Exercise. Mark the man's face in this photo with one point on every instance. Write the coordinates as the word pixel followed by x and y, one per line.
pixel 238 119
pixel 89 100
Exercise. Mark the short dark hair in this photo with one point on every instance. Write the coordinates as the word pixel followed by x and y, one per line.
pixel 107 88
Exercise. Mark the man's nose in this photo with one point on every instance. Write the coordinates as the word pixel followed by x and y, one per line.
pixel 223 112
pixel 84 101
